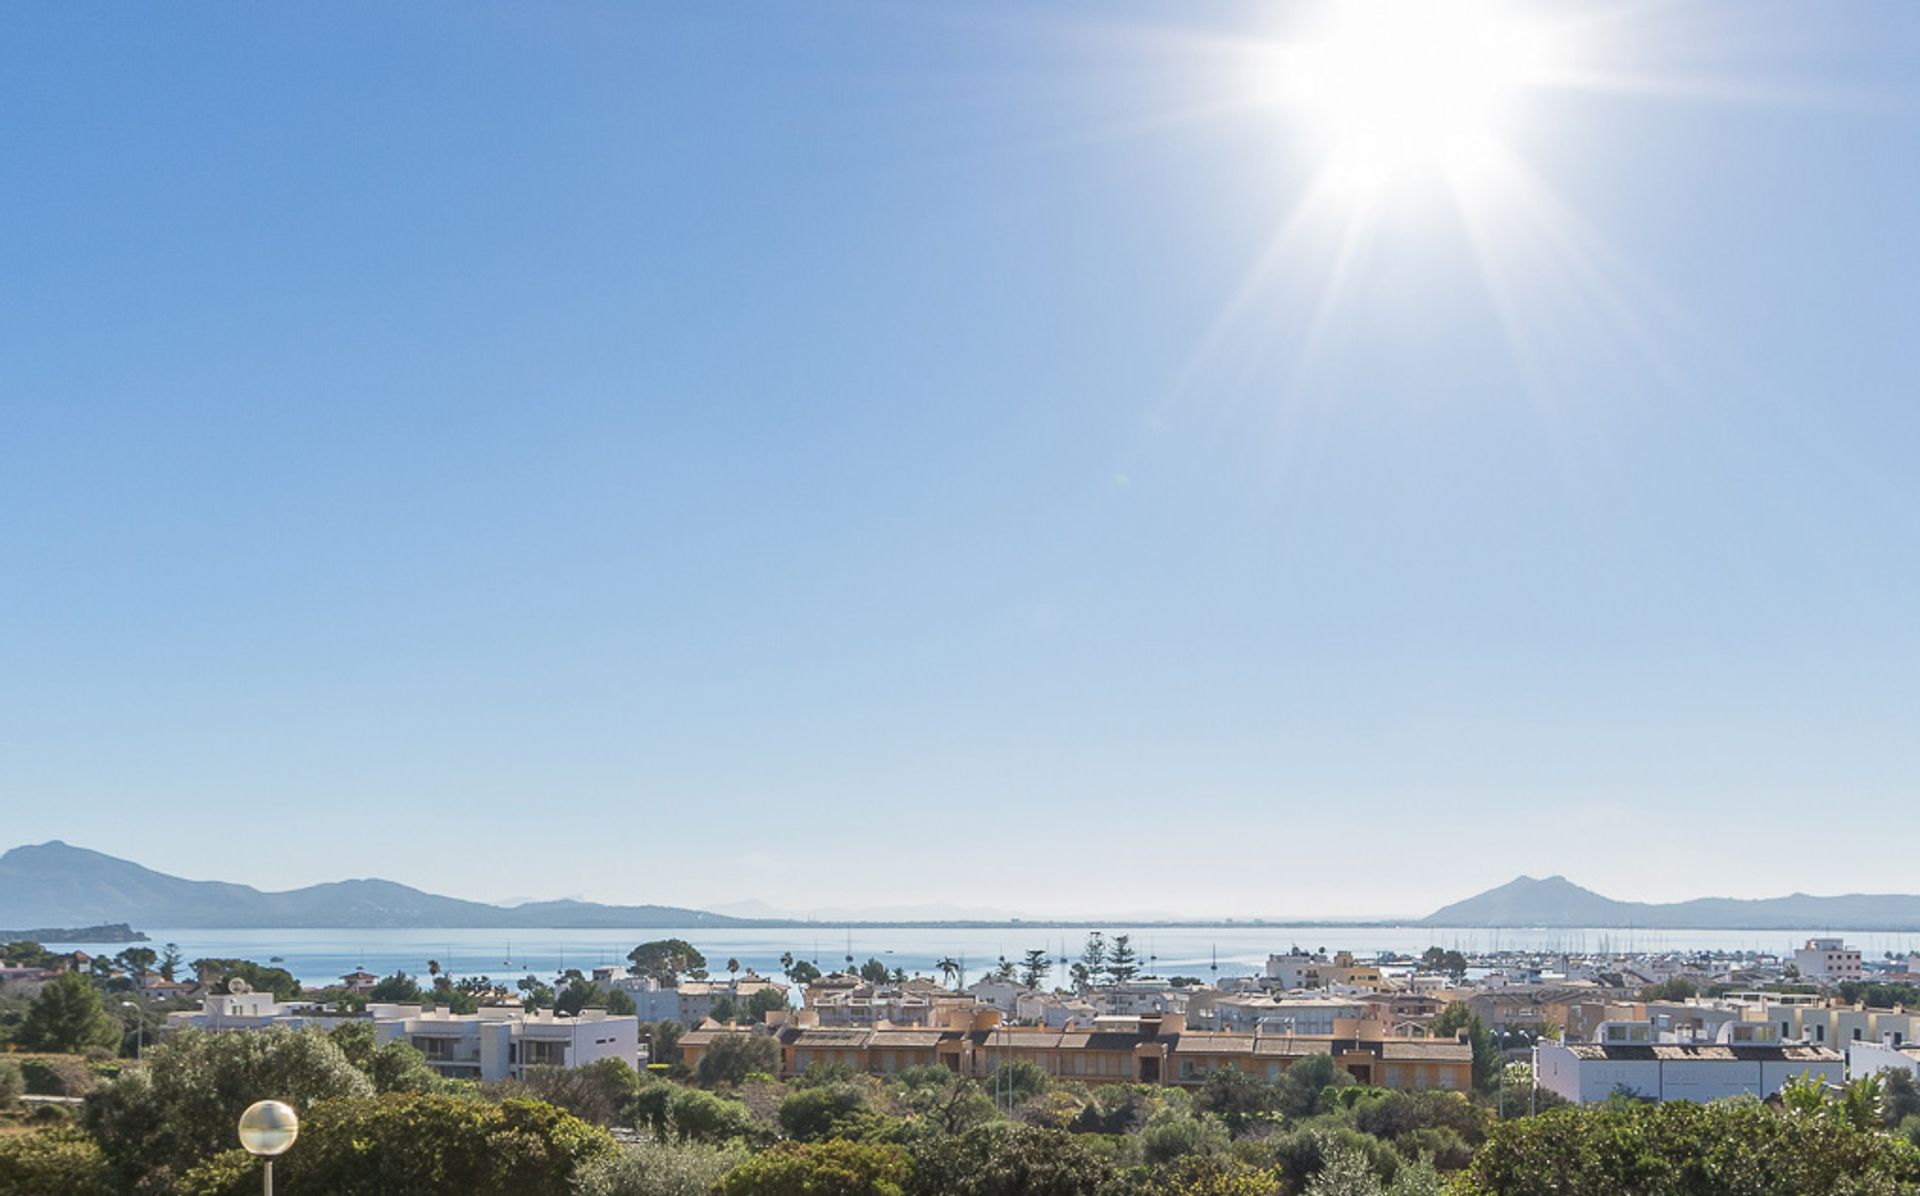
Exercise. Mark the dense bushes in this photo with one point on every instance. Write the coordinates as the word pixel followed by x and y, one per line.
pixel 56 1162
pixel 376 1120
pixel 1007 1160
pixel 834 1168
pixel 181 1108
pixel 657 1168
pixel 419 1143
pixel 1681 1149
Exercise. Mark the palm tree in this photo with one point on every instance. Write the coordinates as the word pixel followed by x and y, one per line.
pixel 786 964
pixel 733 965
pixel 433 967
pixel 949 969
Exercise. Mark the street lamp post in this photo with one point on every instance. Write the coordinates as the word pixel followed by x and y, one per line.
pixel 267 1129
pixel 139 1029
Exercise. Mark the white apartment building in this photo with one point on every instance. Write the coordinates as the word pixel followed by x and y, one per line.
pixel 1053 1010
pixel 1828 960
pixel 1208 1010
pixel 1003 995
pixel 915 1003
pixel 1872 1058
pixel 1137 997
pixel 496 1043
pixel 1629 1056
pixel 1296 969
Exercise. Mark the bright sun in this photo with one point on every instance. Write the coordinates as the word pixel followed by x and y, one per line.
pixel 1394 86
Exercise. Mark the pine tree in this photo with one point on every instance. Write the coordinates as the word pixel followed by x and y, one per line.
pixel 1034 968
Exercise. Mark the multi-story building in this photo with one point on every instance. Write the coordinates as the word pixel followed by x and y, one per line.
pixel 1132 998
pixel 1240 1013
pixel 1296 969
pixel 1630 1057
pixel 691 1001
pixel 497 1043
pixel 1574 1010
pixel 1404 1010
pixel 915 1003
pixel 1828 960
pixel 1146 1049
pixel 1053 1010
pixel 1827 1023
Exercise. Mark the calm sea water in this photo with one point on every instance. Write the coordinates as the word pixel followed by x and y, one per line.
pixel 319 956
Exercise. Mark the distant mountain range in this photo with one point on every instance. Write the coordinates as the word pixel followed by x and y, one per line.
pixel 1558 902
pixel 53 884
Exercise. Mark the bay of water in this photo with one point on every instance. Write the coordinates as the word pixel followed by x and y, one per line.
pixel 317 957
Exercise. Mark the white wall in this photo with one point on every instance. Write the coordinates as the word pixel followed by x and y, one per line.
pixel 1871 1058
pixel 1586 1081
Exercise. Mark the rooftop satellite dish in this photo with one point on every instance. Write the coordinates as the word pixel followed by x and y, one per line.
pixel 238 987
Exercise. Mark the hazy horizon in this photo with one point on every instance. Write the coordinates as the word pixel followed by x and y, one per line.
pixel 1222 461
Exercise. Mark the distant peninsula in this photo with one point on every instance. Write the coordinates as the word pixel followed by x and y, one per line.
pixel 116 932
pixel 56 884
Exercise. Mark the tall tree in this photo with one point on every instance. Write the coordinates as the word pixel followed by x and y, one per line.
pixel 1123 963
pixel 1095 955
pixel 763 1002
pixel 1487 1058
pixel 68 1017
pixel 534 993
pixel 139 961
pixel 665 960
pixel 170 962
pixel 949 969
pixel 803 972
pixel 1035 967
pixel 399 988
pixel 578 993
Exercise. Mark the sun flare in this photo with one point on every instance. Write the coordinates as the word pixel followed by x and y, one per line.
pixel 1392 87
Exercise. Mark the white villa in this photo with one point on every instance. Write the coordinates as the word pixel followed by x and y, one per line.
pixel 496 1043
pixel 1632 1057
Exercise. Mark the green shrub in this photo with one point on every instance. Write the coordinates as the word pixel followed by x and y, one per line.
pixel 420 1144
pixel 55 1162
pixel 1684 1149
pixel 669 1110
pixel 181 1108
pixel 656 1168
pixel 1002 1159
pixel 731 1058
pixel 835 1168
pixel 812 1114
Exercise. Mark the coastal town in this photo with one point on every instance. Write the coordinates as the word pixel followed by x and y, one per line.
pixel 1410 1074
pixel 1659 1026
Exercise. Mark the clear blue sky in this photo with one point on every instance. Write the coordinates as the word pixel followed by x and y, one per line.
pixel 811 452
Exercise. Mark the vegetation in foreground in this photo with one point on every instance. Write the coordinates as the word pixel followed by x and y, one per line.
pixel 377 1120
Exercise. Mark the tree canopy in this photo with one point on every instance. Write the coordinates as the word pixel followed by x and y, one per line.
pixel 665 960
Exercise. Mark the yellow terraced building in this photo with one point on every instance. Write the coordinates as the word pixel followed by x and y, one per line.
pixel 1148 1049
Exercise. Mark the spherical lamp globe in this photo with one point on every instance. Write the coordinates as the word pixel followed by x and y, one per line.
pixel 268 1128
